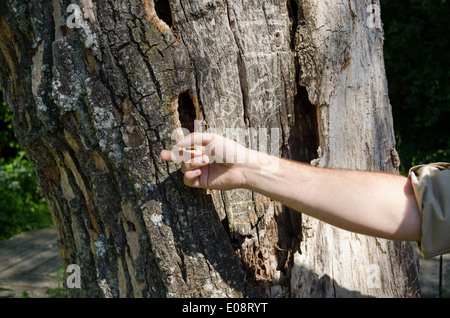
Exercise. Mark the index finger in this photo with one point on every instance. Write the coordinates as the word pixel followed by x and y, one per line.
pixel 180 155
pixel 196 139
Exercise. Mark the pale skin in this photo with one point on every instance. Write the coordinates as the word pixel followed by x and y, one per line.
pixel 371 203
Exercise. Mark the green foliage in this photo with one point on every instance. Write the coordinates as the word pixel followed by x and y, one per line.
pixel 6 290
pixel 25 295
pixel 9 146
pixel 417 55
pixel 21 206
pixel 59 292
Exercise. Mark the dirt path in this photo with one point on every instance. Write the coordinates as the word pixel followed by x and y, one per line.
pixel 30 263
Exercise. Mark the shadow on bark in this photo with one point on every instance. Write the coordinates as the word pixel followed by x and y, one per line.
pixel 198 232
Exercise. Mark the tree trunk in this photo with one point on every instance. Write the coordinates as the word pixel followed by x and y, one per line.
pixel 97 95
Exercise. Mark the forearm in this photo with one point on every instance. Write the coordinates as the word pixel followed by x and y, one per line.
pixel 377 204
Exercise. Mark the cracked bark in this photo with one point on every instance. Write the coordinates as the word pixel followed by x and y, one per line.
pixel 93 106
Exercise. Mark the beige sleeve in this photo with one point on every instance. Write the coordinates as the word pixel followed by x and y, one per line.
pixel 431 184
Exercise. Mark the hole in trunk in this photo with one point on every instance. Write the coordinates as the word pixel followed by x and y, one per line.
pixel 187 111
pixel 304 137
pixel 164 12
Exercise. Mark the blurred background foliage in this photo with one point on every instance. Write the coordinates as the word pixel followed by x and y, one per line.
pixel 417 55
pixel 22 208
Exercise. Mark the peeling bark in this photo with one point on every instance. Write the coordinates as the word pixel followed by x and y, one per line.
pixel 94 105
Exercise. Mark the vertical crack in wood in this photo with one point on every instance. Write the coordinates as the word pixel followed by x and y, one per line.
pixel 242 71
pixel 176 116
pixel 293 12
pixel 304 135
pixel 244 88
pixel 303 143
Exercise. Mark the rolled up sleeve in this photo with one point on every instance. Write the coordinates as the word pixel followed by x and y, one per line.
pixel 431 184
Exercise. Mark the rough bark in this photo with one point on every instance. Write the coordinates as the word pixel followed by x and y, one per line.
pixel 94 105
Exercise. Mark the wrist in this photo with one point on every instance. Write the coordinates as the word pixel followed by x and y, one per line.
pixel 258 166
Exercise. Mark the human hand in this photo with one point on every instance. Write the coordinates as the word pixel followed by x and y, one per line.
pixel 210 161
